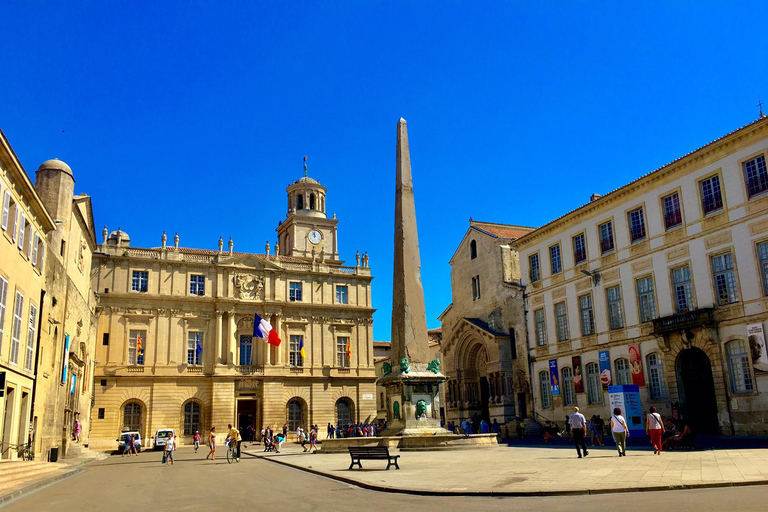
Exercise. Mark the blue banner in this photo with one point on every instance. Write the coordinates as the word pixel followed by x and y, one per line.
pixel 66 358
pixel 74 380
pixel 605 368
pixel 553 378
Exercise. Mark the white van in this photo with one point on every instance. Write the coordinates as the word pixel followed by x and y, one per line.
pixel 161 437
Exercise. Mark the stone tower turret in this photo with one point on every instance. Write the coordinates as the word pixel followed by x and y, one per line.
pixel 55 184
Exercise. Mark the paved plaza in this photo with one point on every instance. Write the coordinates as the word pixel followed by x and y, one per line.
pixel 142 483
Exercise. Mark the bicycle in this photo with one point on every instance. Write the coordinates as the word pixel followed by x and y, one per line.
pixel 27 453
pixel 232 452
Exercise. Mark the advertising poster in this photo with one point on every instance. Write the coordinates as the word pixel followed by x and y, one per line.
pixel 636 365
pixel 605 368
pixel 757 347
pixel 578 375
pixel 627 398
pixel 553 378
pixel 66 359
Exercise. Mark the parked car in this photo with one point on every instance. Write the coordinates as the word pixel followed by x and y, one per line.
pixel 124 437
pixel 161 437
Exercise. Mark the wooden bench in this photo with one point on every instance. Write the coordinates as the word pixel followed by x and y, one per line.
pixel 372 453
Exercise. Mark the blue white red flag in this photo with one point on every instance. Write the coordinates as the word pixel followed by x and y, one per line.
pixel 263 329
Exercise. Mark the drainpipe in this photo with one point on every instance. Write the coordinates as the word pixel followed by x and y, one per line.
pixel 37 364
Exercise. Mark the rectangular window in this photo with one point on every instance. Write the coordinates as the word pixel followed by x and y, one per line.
pixel 725 279
pixel 579 248
pixel 615 316
pixel 762 253
pixel 636 225
pixel 137 341
pixel 646 299
pixel 587 315
pixel 140 281
pixel 197 285
pixel 342 294
pixel 606 237
pixel 101 413
pixel 541 328
pixel 594 388
pixel 561 317
pixel 756 176
pixel 294 356
pixel 474 289
pixel 18 310
pixel 673 215
pixel 546 400
pixel 246 350
pixel 31 337
pixel 681 278
pixel 711 197
pixel 3 299
pixel 533 262
pixel 6 210
pixel 656 377
pixel 195 348
pixel 294 292
pixel 105 339
pixel 555 263
pixel 341 351
pixel 741 373
pixel 623 375
pixel 569 393
pixel 476 281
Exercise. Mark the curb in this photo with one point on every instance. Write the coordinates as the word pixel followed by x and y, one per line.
pixel 12 496
pixel 513 494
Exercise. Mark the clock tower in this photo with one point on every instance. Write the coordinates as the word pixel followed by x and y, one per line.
pixel 306 228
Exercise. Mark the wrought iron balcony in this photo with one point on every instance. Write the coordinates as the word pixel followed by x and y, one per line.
pixel 249 369
pixel 680 321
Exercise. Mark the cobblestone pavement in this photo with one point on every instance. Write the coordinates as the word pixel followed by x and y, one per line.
pixel 194 484
pixel 541 470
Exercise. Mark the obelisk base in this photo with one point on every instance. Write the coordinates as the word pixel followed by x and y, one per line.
pixel 413 403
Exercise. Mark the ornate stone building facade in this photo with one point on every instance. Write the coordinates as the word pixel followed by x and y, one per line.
pixel 483 328
pixel 663 284
pixel 192 311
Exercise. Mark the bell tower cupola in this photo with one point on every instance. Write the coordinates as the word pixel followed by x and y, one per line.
pixel 307 228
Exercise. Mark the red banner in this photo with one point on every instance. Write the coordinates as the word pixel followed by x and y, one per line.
pixel 636 365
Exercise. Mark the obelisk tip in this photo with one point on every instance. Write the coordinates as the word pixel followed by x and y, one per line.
pixel 401 121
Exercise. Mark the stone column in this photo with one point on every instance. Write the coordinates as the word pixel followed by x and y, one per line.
pixel 232 344
pixel 219 326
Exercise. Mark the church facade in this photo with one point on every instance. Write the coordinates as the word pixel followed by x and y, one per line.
pixel 175 332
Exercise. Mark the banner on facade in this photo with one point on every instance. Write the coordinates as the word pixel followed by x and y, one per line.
pixel 636 365
pixel 74 382
pixel 553 379
pixel 578 375
pixel 758 347
pixel 605 368
pixel 66 359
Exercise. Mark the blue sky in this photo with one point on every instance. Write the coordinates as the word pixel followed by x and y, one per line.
pixel 195 116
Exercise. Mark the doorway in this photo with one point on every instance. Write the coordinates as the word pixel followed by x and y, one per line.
pixel 5 445
pixel 522 409
pixel 485 395
pixel 697 391
pixel 247 415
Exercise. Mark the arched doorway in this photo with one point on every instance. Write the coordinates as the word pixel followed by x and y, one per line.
pixel 477 363
pixel 132 418
pixel 295 412
pixel 697 391
pixel 344 412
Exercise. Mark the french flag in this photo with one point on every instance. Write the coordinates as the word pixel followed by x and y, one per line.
pixel 263 329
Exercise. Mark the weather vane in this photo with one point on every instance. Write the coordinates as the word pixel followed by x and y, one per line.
pixel 305 167
pixel 759 104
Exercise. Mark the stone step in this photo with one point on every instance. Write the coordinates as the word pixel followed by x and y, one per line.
pixel 14 475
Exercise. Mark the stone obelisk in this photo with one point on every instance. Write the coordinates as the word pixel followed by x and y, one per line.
pixel 411 379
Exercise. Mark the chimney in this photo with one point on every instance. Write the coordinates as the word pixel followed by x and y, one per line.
pixel 594 197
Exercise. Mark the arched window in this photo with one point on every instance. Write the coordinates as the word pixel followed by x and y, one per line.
pixel 569 396
pixel 738 361
pixel 295 415
pixel 132 416
pixel 343 411
pixel 546 391
pixel 312 201
pixel 191 418
pixel 472 250
pixel 594 388
pixel 299 202
pixel 655 377
pixel 623 376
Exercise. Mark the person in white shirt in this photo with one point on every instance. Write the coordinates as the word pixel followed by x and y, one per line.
pixel 620 431
pixel 170 446
pixel 579 428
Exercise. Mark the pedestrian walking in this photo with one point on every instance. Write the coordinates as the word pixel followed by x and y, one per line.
pixel 132 445
pixel 196 440
pixel 568 428
pixel 654 427
pixel 212 444
pixel 620 431
pixel 313 440
pixel 78 429
pixel 579 429
pixel 285 431
pixel 170 446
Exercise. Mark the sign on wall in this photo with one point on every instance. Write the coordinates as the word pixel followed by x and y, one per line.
pixel 578 375
pixel 758 347
pixel 627 398
pixel 553 379
pixel 636 365
pixel 605 368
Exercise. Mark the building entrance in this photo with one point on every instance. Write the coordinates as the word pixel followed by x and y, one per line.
pixel 485 394
pixel 697 391
pixel 248 415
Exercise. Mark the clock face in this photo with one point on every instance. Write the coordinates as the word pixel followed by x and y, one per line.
pixel 315 236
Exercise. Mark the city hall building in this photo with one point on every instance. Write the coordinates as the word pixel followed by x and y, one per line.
pixel 175 341
pixel 663 284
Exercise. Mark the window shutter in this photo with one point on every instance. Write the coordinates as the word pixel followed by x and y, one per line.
pixel 6 209
pixel 22 223
pixel 32 239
